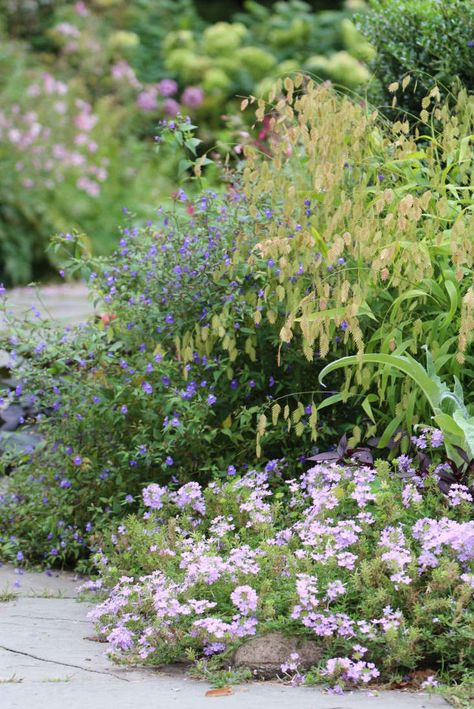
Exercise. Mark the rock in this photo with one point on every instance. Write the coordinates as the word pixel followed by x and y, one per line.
pixel 24 441
pixel 11 417
pixel 266 653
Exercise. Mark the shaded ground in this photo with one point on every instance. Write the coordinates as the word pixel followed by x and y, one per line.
pixel 67 303
pixel 49 660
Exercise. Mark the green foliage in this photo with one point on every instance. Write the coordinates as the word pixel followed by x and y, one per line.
pixel 374 251
pixel 245 55
pixel 431 40
pixel 457 425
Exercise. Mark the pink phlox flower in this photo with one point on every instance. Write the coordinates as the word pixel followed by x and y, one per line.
pixel 410 495
pixel 153 496
pixel 245 599
pixel 335 589
pixel 220 526
pixel 459 493
pixel 396 554
pixel 190 495
pixel 243 560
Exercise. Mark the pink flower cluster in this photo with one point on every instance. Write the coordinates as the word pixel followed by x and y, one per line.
pixel 212 587
pixel 158 97
pixel 349 672
pixel 50 138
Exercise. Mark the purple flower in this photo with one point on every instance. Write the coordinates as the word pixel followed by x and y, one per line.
pixel 169 460
pixel 192 96
pixel 167 87
pixel 437 438
pixel 147 100
pixel 214 648
pixel 77 460
pixel 153 496
pixel 231 470
pixel 211 399
pixel 121 638
pixel 147 388
pixel 171 107
pixel 245 599
pixel 20 556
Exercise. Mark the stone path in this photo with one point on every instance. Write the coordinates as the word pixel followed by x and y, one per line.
pixel 65 302
pixel 49 660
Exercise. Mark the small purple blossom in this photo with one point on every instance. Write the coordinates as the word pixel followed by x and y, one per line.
pixel 147 388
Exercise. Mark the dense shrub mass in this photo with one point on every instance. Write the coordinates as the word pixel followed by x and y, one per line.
pixel 220 315
pixel 431 40
pixel 62 166
pixel 380 572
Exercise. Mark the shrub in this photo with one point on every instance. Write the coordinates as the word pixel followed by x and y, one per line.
pixel 171 386
pixel 372 253
pixel 379 571
pixel 430 40
pixel 251 294
pixel 245 55
pixel 63 156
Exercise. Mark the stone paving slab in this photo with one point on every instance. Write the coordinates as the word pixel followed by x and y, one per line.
pixel 65 302
pixel 163 692
pixel 49 660
pixel 62 584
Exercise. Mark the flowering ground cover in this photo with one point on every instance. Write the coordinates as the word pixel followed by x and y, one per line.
pixel 379 570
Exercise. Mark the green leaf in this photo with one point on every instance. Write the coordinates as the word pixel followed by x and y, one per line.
pixel 448 425
pixel 367 407
pixel 406 364
pixel 334 399
pixel 390 430
pixel 467 426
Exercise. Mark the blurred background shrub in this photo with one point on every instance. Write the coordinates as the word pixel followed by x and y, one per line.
pixel 432 40
pixel 84 85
